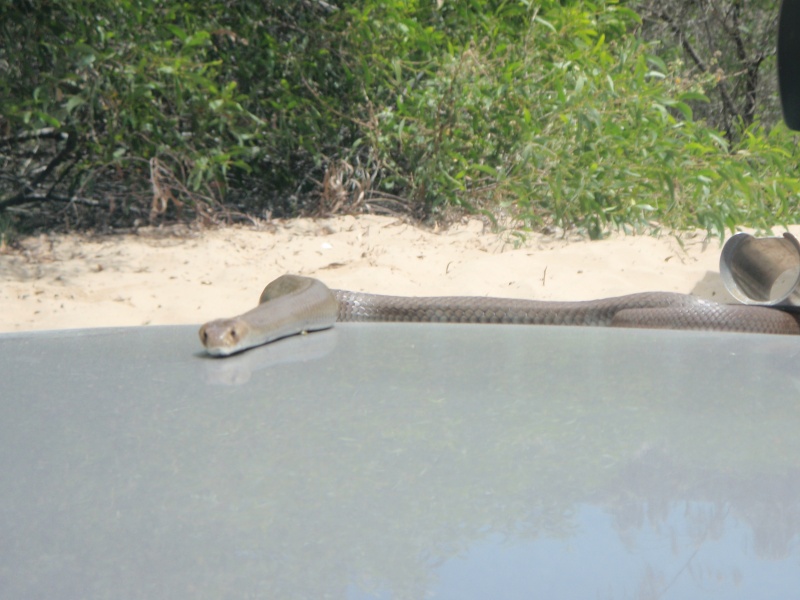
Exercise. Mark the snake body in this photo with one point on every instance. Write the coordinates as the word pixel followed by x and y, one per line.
pixel 293 304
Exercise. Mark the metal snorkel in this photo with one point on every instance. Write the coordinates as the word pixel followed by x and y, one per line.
pixel 762 271
pixel 766 271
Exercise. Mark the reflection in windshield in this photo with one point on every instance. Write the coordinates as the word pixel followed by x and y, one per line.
pixel 409 461
pixel 693 551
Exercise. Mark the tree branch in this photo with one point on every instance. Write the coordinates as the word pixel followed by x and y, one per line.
pixel 727 101
pixel 39 134
pixel 28 198
pixel 59 158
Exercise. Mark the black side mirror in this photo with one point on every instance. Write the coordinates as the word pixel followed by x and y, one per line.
pixel 789 62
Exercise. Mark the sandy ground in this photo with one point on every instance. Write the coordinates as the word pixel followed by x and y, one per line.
pixel 171 277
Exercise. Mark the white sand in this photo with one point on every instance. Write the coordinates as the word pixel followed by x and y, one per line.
pixel 66 281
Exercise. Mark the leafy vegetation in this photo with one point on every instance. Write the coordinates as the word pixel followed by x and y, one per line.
pixel 547 112
pixel 733 40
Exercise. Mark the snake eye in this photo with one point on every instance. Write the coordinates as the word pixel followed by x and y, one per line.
pixel 234 334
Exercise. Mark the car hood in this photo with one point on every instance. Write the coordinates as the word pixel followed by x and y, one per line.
pixel 400 461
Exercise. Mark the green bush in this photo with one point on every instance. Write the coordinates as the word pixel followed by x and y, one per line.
pixel 563 116
pixel 549 112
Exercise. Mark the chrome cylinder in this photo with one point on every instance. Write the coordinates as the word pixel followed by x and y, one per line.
pixel 762 271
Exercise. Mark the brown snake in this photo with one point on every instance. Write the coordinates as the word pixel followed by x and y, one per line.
pixel 293 304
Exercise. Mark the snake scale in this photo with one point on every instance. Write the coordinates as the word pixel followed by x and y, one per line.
pixel 294 304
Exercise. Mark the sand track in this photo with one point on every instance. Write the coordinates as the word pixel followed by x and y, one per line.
pixel 157 277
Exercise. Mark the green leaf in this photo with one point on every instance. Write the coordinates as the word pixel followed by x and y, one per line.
pixel 696 96
pixel 484 169
pixel 684 109
pixel 177 32
pixel 657 62
pixel 198 38
pixel 74 102
pixel 547 24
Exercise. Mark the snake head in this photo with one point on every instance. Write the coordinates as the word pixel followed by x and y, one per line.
pixel 224 336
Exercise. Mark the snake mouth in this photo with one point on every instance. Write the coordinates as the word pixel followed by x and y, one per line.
pixel 224 337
